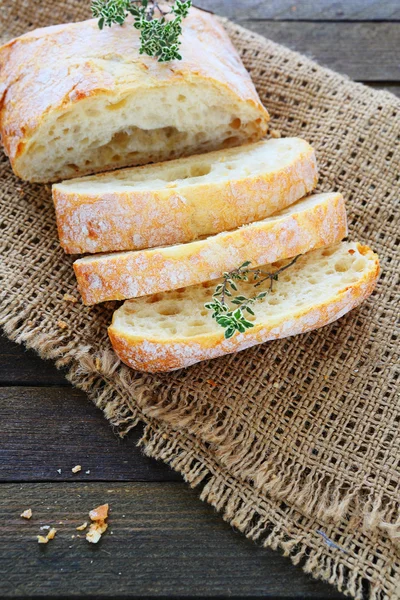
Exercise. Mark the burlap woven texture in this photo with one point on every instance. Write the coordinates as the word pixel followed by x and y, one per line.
pixel 288 440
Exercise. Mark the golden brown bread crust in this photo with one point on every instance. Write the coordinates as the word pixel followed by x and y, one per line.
pixel 110 222
pixel 50 69
pixel 162 355
pixel 320 221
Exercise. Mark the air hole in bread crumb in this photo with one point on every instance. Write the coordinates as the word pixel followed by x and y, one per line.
pixel 117 105
pixel 236 123
pixel 169 310
pixel 341 266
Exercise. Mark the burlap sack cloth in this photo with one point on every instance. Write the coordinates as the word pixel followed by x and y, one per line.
pixel 289 440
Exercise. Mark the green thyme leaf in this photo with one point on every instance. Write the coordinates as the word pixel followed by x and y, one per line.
pixel 159 37
pixel 226 314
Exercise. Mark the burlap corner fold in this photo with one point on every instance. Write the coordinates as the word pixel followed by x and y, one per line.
pixel 293 440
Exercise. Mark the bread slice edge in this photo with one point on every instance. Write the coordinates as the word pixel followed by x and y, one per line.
pixel 314 222
pixel 153 355
pixel 134 219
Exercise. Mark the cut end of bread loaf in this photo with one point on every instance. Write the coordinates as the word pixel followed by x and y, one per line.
pixel 172 330
pixel 109 106
pixel 104 133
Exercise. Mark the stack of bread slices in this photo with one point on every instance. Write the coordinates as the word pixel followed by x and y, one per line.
pixel 165 233
pixel 216 196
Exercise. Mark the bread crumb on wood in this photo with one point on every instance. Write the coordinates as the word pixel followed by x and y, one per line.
pixel 98 526
pixel 275 133
pixel 76 469
pixel 27 514
pixel 62 324
pixel 96 530
pixel 42 540
pixel 100 513
pixel 70 298
pixel 82 527
pixel 45 539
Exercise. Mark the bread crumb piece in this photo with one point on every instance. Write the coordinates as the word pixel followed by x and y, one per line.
pixel 59 471
pixel 76 469
pixel 50 536
pixel 275 133
pixel 99 526
pixel 45 527
pixel 87 472
pixel 276 385
pixel 211 382
pixel 70 298
pixel 62 324
pixel 96 529
pixel 82 527
pixel 27 514
pixel 42 540
pixel 100 513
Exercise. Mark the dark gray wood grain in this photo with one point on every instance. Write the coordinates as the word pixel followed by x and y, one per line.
pixel 363 51
pixel 46 429
pixel 392 88
pixel 312 10
pixel 22 367
pixel 162 542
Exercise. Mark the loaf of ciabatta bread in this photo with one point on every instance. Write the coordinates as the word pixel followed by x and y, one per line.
pixel 168 331
pixel 77 100
pixel 318 220
pixel 182 200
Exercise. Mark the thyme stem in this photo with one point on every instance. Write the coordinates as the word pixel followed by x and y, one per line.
pixel 233 318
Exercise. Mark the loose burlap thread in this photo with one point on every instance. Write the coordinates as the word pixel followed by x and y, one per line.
pixel 294 441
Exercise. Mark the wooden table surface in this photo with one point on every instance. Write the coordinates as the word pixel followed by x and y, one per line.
pixel 162 541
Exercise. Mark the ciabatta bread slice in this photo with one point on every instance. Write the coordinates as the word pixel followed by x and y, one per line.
pixel 77 100
pixel 173 330
pixel 181 200
pixel 316 221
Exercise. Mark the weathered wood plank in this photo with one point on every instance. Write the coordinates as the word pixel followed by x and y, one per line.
pixel 164 542
pixel 312 10
pixel 363 51
pixel 21 367
pixel 46 429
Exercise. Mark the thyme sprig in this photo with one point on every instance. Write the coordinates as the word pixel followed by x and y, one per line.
pixel 159 35
pixel 233 318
